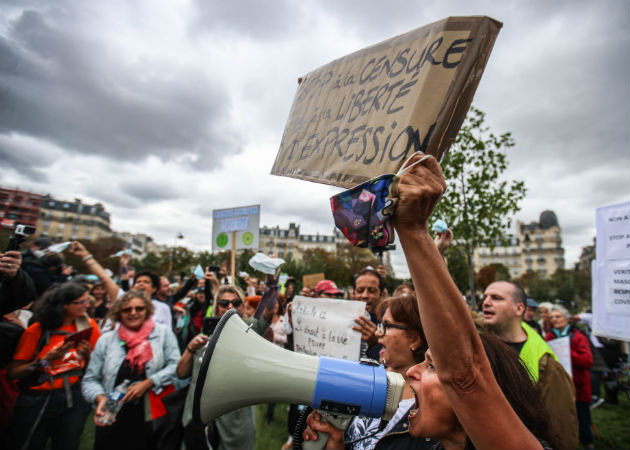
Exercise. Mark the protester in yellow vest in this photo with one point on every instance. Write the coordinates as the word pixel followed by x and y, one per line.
pixel 503 308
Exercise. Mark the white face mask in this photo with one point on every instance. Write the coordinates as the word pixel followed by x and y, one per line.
pixel 39 253
pixel 265 264
pixel 59 248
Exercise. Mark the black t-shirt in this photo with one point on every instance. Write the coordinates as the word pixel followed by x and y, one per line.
pixel 517 345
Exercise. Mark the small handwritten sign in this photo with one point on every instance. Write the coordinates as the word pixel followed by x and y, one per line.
pixel 311 280
pixel 562 348
pixel 361 115
pixel 323 327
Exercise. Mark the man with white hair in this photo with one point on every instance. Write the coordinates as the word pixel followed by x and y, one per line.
pixel 545 323
pixel 503 307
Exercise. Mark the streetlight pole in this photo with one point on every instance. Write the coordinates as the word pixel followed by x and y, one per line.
pixel 179 235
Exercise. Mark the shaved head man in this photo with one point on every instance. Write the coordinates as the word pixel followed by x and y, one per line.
pixel 503 306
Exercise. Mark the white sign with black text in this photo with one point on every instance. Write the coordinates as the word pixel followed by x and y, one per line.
pixel 611 273
pixel 323 327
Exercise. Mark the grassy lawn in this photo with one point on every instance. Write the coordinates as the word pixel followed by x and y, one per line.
pixel 611 424
pixel 611 427
pixel 270 436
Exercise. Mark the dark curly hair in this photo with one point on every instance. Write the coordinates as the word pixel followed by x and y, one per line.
pixel 49 311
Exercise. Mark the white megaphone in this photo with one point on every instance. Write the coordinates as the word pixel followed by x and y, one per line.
pixel 240 368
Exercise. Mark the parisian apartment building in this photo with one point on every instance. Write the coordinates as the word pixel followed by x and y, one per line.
pixel 536 247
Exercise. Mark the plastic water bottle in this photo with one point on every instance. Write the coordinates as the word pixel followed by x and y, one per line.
pixel 113 405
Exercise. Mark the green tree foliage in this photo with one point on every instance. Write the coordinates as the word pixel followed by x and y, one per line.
pixel 457 267
pixel 102 249
pixel 491 273
pixel 151 261
pixel 180 259
pixel 207 259
pixel 572 286
pixel 295 269
pixel 340 269
pixel 478 205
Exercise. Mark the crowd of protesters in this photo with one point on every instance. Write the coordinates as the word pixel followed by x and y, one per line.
pixel 68 342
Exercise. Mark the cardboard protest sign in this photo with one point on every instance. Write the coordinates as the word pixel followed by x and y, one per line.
pixel 360 116
pixel 562 348
pixel 611 273
pixel 323 327
pixel 312 279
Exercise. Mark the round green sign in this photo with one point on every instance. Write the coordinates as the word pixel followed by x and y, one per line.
pixel 222 240
pixel 248 238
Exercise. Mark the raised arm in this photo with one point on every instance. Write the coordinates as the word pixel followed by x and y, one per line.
pixel 457 352
pixel 78 249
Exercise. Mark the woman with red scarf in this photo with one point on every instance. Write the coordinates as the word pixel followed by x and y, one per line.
pixel 144 354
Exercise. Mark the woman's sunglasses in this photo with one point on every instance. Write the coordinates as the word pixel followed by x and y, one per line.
pixel 235 303
pixel 128 309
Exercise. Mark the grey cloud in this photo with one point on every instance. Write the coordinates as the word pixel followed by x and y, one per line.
pixel 148 191
pixel 205 212
pixel 564 86
pixel 63 86
pixel 22 165
pixel 256 20
pixel 26 160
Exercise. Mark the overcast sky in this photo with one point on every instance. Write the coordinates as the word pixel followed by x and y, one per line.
pixel 164 110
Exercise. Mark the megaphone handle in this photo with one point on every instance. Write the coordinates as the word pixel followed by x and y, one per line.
pixel 339 421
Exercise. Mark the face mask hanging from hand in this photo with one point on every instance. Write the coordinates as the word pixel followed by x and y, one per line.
pixel 364 213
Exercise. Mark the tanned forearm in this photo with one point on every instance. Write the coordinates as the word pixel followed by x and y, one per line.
pixel 445 316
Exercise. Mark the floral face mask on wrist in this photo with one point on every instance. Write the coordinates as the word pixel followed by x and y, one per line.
pixel 364 212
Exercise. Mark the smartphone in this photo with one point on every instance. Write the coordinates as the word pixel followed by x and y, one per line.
pixel 209 325
pixel 75 338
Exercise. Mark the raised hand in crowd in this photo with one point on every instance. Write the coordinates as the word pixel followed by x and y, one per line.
pixel 125 260
pixel 10 262
pixel 185 363
pixel 458 370
pixel 443 240
pixel 212 278
pixel 382 271
pixel 78 249
pixel 367 328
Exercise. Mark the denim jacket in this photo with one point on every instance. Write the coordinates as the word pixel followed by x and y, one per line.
pixel 109 354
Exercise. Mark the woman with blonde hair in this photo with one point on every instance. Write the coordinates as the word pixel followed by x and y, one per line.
pixel 140 353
